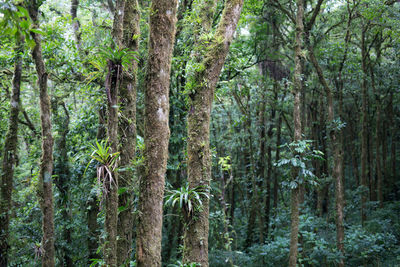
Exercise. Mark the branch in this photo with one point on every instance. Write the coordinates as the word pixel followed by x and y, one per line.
pixel 284 10
pixel 314 15
pixel 287 123
pixel 29 123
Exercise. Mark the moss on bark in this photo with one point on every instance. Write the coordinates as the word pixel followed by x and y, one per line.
pixel 156 132
pixel 127 133
pixel 9 155
pixel 45 191
pixel 199 156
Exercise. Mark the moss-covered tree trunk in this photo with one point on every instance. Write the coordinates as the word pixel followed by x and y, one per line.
pixel 112 84
pixel 156 132
pixel 199 157
pixel 127 133
pixel 297 89
pixel 45 191
pixel 10 155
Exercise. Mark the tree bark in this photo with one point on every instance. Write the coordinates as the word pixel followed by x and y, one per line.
pixel 112 85
pixel 199 157
pixel 156 132
pixel 127 133
pixel 92 203
pixel 337 171
pixel 10 155
pixel 75 22
pixel 62 181
pixel 378 158
pixel 45 191
pixel 364 132
pixel 269 161
pixel 297 89
pixel 393 131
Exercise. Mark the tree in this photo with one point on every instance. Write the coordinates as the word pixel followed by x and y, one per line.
pixel 156 132
pixel 10 152
pixel 112 85
pixel 127 132
pixel 45 191
pixel 201 95
pixel 297 89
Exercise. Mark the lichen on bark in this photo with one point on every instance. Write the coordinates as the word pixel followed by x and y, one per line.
pixel 201 97
pixel 156 132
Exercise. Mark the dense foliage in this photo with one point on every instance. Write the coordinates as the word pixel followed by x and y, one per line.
pixel 357 46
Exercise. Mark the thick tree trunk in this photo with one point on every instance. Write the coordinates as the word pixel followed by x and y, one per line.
pixel 127 133
pixel 45 191
pixel 156 132
pixel 10 155
pixel 297 89
pixel 199 157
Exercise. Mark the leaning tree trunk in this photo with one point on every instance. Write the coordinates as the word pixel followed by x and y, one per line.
pixel 156 132
pixel 337 171
pixel 199 157
pixel 127 133
pixel 45 191
pixel 297 89
pixel 10 155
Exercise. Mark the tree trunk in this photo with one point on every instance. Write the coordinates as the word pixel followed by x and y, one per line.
pixel 364 132
pixel 297 89
pixel 277 158
pixel 378 137
pixel 45 191
pixel 269 162
pixel 62 181
pixel 75 22
pixel 393 131
pixel 127 134
pixel 252 179
pixel 10 155
pixel 156 132
pixel 112 85
pixel 353 148
pixel 92 203
pixel 199 157
pixel 337 171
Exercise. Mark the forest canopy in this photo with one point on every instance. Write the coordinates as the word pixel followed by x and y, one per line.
pixel 184 133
